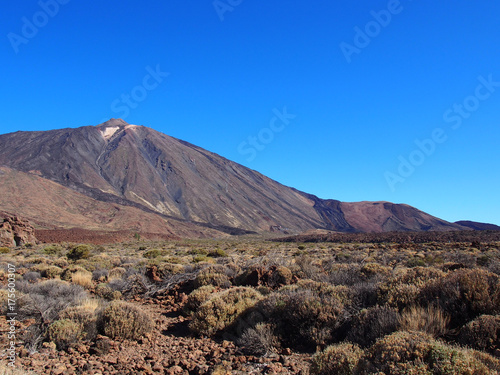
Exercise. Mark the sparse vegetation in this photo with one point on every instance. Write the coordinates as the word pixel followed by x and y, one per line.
pixel 222 310
pixel 363 308
pixel 64 333
pixel 122 320
pixel 79 252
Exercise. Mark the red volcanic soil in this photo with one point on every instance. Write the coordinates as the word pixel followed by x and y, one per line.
pixel 93 237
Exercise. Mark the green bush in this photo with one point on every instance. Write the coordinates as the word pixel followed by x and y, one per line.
pixel 79 252
pixel 415 262
pixel 418 353
pixel 203 258
pixel 222 310
pixel 65 333
pixel 122 320
pixel 340 359
pixel 217 253
pixel 153 253
pixel 197 297
pixel 4 250
pixel 85 318
pixel 53 250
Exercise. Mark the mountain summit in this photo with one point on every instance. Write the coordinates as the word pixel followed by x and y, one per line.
pixel 135 167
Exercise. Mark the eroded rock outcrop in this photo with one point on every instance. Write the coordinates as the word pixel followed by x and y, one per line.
pixel 15 231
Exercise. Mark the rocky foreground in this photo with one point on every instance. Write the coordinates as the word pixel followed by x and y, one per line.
pixel 169 349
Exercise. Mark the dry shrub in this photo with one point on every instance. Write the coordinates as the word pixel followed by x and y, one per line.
pixel 61 262
pixel 168 269
pixel 45 300
pixel 280 276
pixel 370 270
pixel 482 333
pixel 116 273
pixel 431 320
pixel 83 279
pixel 259 340
pixel 52 272
pixel 372 324
pixel 314 310
pixel 4 296
pixel 122 320
pixel 341 292
pixel 4 250
pixel 209 277
pixel 65 333
pixel 90 304
pixel 100 275
pixel 40 267
pixel 67 273
pixel 106 292
pixel 345 274
pixel 197 297
pixel 222 310
pixel 84 315
pixel 464 294
pixel 418 353
pixel 341 359
pixel 402 290
pixel 5 369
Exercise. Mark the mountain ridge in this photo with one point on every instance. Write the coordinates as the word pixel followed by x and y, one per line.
pixel 135 166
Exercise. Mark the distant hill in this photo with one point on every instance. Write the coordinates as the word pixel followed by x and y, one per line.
pixel 117 175
pixel 477 226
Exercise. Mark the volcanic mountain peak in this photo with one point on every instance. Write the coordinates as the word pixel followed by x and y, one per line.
pixel 131 165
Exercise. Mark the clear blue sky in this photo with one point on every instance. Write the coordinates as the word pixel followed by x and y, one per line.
pixel 360 101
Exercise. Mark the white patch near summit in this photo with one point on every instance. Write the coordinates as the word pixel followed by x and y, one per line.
pixel 108 132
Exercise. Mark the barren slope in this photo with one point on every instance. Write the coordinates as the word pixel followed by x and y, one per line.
pixel 50 205
pixel 389 217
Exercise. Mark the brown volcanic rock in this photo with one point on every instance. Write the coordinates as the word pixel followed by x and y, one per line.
pixel 125 173
pixel 15 231
pixel 390 217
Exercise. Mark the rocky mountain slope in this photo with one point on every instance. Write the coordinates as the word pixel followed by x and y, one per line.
pixel 117 168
